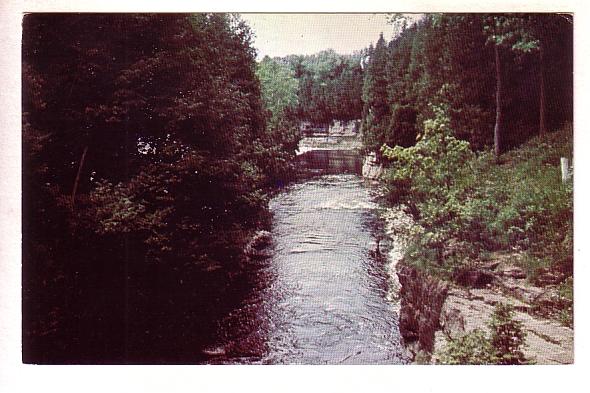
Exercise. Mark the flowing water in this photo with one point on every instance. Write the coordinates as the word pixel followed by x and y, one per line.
pixel 321 297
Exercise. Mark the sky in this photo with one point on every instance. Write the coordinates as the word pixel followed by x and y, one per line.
pixel 284 34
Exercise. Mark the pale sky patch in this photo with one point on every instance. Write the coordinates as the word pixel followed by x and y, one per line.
pixel 285 34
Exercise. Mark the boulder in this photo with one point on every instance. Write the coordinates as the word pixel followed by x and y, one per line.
pixel 371 168
pixel 473 278
pixel 514 272
pixel 452 322
pixel 258 246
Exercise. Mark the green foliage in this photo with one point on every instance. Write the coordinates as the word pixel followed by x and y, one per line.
pixel 278 87
pixel 467 205
pixel 516 32
pixel 566 297
pixel 472 348
pixel 403 126
pixel 503 346
pixel 429 178
pixel 329 86
pixel 532 265
pixel 376 110
pixel 446 59
pixel 276 149
pixel 508 337
pixel 179 159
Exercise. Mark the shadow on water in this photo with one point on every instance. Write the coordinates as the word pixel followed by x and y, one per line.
pixel 321 297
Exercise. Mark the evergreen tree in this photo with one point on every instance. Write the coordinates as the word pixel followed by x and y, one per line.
pixel 376 108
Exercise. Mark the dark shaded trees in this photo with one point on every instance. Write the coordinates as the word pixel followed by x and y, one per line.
pixel 329 86
pixel 376 105
pixel 481 67
pixel 154 127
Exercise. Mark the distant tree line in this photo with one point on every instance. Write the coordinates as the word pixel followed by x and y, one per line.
pixel 318 88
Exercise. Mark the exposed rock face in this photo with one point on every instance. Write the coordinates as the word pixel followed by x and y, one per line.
pixel 432 313
pixel 335 128
pixel 547 341
pixel 371 168
pixel 422 298
pixel 344 128
pixel 468 308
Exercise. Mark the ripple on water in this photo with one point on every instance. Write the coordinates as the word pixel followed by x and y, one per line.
pixel 321 298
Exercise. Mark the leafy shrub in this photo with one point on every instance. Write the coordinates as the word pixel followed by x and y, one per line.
pixel 425 177
pixel 508 337
pixel 532 265
pixel 481 206
pixel 502 346
pixel 472 348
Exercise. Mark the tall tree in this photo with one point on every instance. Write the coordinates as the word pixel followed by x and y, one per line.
pixel 512 33
pixel 376 108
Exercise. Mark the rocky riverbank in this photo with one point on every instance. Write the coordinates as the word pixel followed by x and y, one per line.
pixel 468 308
pixel 432 312
pixel 338 136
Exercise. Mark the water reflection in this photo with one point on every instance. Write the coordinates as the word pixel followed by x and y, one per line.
pixel 331 161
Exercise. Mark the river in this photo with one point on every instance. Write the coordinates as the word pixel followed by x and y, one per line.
pixel 321 297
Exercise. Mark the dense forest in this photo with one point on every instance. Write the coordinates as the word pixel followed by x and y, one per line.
pixel 514 73
pixel 151 144
pixel 317 88
pixel 441 59
pixel 147 148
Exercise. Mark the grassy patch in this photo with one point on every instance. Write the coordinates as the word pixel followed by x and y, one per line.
pixel 470 205
pixel 533 265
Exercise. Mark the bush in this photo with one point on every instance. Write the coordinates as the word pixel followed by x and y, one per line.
pixel 508 337
pixel 478 205
pixel 503 346
pixel 426 176
pixel 472 348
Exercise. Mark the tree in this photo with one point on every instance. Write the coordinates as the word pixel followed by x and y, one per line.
pixel 376 108
pixel 546 28
pixel 279 87
pixel 513 33
pixel 154 125
pixel 329 86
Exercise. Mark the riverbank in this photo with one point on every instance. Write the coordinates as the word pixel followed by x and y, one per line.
pixel 510 245
pixel 434 312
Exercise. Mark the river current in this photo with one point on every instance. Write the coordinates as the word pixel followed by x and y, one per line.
pixel 321 298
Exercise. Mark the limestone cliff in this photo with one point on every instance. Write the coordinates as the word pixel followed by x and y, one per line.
pixel 421 301
pixel 371 168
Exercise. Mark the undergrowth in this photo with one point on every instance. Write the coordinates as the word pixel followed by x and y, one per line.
pixel 468 204
pixel 502 345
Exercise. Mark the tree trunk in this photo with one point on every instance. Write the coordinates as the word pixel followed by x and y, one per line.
pixel 498 128
pixel 542 113
pixel 78 175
